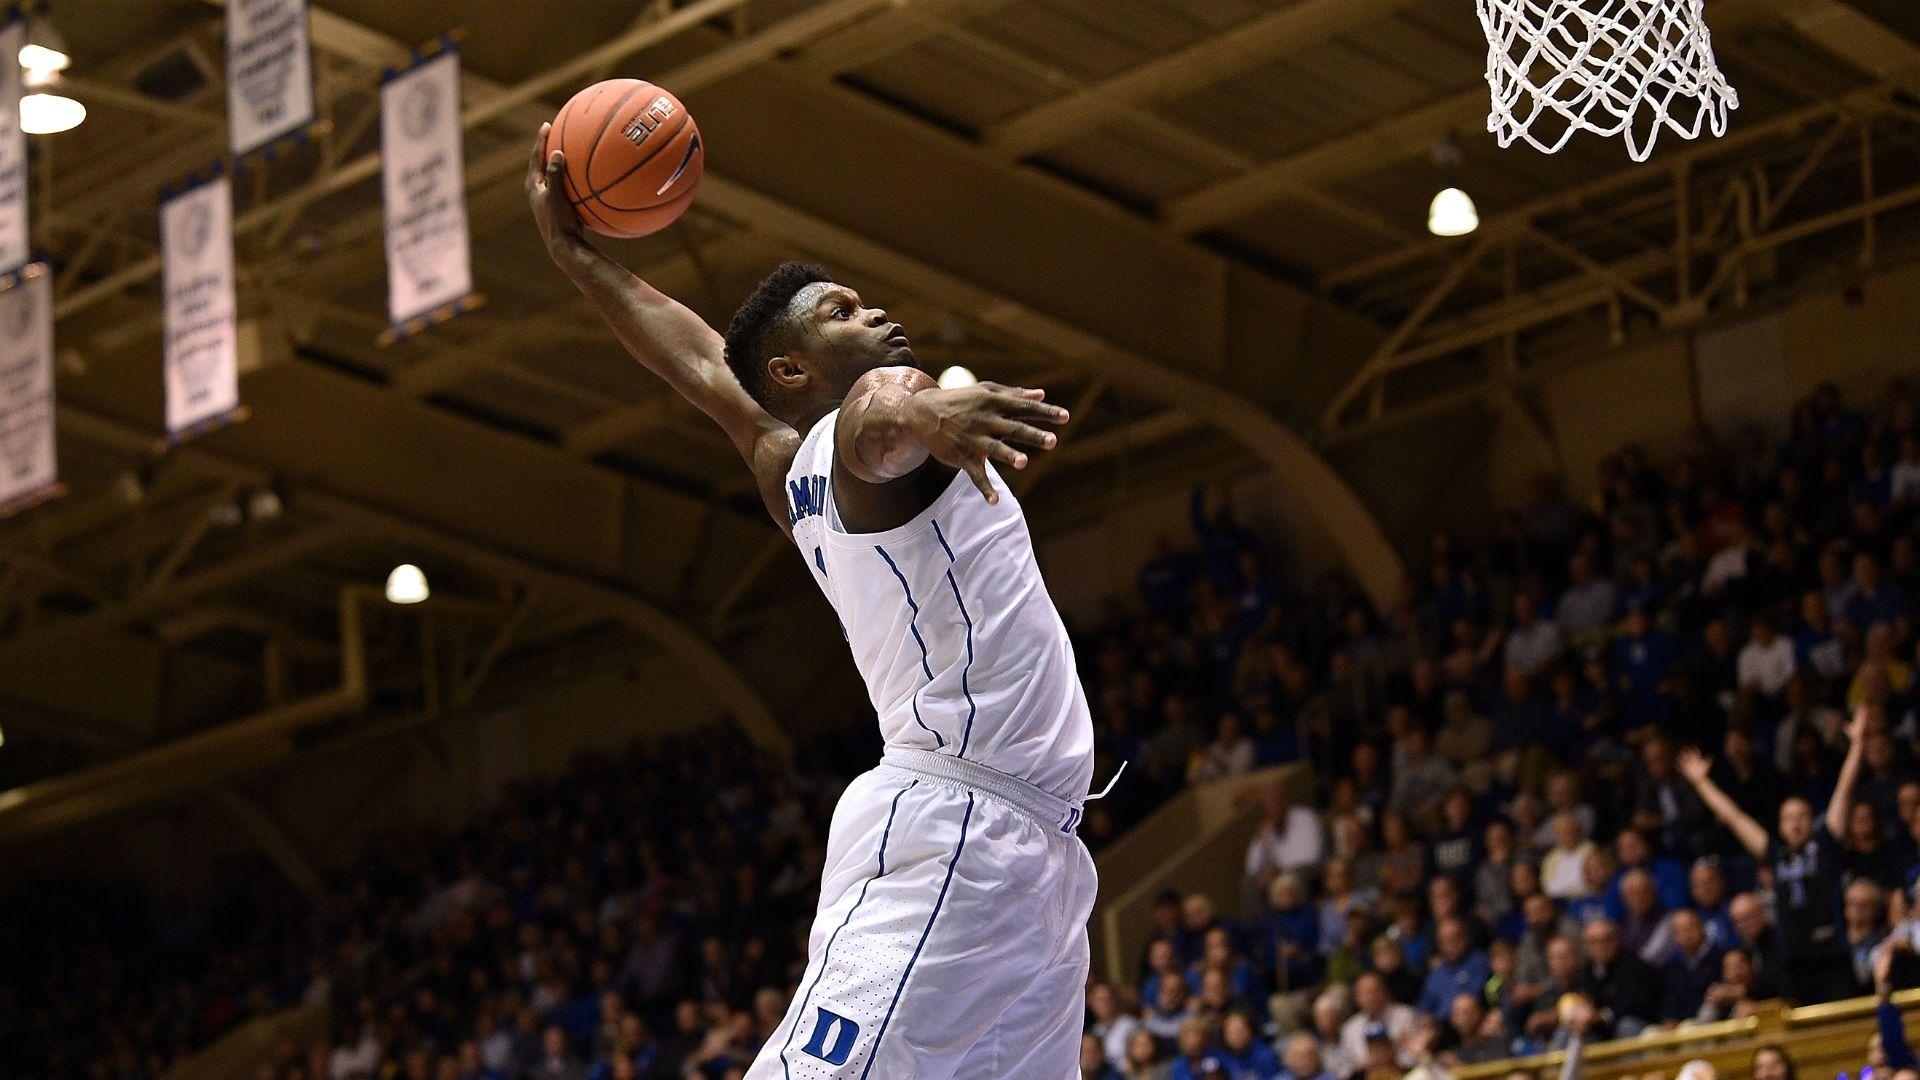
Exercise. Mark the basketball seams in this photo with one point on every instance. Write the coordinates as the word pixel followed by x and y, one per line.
pixel 690 167
pixel 686 118
pixel 670 209
pixel 612 113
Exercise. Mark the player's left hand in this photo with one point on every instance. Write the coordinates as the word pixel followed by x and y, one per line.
pixel 965 427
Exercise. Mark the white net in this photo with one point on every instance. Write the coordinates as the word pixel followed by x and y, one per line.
pixel 1615 67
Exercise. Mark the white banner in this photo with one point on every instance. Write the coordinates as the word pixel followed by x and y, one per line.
pixel 27 464
pixel 269 72
pixel 428 263
pixel 14 246
pixel 196 270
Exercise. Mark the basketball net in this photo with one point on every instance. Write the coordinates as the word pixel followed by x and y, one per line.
pixel 1613 67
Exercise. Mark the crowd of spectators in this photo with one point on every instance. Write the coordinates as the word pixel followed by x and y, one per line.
pixel 1655 755
pixel 1637 764
pixel 643 917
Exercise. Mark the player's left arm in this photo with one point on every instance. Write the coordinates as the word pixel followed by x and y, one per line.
pixel 900 439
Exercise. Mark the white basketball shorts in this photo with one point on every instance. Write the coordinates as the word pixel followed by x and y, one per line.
pixel 951 940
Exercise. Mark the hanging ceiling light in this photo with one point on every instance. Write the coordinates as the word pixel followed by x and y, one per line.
pixel 43 112
pixel 956 377
pixel 1452 213
pixel 46 49
pixel 406 585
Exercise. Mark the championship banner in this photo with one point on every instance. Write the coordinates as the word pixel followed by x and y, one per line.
pixel 14 246
pixel 269 72
pixel 429 272
pixel 196 273
pixel 27 467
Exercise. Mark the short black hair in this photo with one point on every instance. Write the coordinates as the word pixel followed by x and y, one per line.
pixel 757 331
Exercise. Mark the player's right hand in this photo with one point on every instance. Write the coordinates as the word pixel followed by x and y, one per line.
pixel 965 427
pixel 546 194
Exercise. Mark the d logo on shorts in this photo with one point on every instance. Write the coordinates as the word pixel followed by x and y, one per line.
pixel 844 1032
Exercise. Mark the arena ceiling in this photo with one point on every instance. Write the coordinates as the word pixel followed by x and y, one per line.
pixel 1198 223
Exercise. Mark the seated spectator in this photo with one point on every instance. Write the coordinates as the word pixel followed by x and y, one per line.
pixel 1093 1060
pixel 1772 1063
pixel 1229 755
pixel 1542 923
pixel 1390 963
pixel 1241 1053
pixel 1864 909
pixel 1596 874
pixel 1642 924
pixel 1421 779
pixel 1732 996
pixel 1112 1023
pixel 1565 974
pixel 1163 964
pixel 1292 935
pixel 1339 899
pixel 1472 1035
pixel 1533 643
pixel 1196 1057
pixel 1219 955
pixel 1690 966
pixel 1306 1059
pixel 1330 1012
pixel 1668 875
pixel 1377 1016
pixel 1172 1008
pixel 1217 996
pixel 1665 808
pixel 1457 968
pixel 1563 871
pixel 1290 839
pixel 1495 895
pixel 1587 604
pixel 1403 860
pixel 1465 740
pixel 1621 984
pixel 1766 664
pixel 1456 847
pixel 1146 1060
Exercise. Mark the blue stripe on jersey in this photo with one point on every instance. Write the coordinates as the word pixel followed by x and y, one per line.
pixel 800 1014
pixel 967 735
pixel 913 624
pixel 874 1054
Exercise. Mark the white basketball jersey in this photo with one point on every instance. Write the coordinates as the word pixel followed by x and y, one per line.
pixel 951 626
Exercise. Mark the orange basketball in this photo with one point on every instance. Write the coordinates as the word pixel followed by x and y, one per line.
pixel 633 154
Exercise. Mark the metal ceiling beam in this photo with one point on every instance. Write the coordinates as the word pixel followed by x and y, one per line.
pixel 910 23
pixel 1296 176
pixel 702 660
pixel 1687 156
pixel 193 762
pixel 1375 147
pixel 1856 38
pixel 1204 63
pixel 1746 228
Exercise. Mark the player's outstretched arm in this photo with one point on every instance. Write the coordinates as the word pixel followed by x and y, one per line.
pixel 897 424
pixel 663 334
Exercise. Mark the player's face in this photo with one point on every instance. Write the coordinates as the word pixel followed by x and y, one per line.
pixel 842 339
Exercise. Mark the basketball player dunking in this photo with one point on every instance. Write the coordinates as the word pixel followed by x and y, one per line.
pixel 951 936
